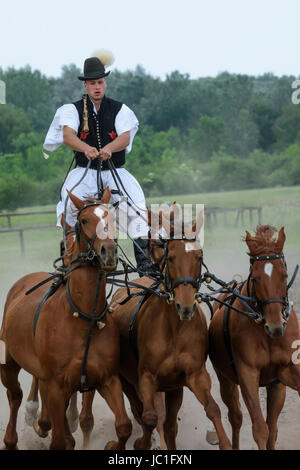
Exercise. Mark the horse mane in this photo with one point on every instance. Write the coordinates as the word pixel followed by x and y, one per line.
pixel 87 200
pixel 264 239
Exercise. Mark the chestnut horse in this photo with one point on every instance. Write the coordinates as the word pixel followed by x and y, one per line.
pixel 168 344
pixel 257 351
pixel 54 348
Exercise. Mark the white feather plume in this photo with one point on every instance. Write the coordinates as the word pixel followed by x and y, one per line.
pixel 106 57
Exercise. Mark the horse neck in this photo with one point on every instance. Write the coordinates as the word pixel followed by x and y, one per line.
pixel 83 289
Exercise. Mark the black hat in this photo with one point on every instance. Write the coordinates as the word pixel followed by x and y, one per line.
pixel 93 69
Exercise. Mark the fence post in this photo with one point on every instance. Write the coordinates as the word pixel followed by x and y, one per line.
pixel 22 242
pixel 237 217
pixel 251 217
pixel 259 210
pixel 208 220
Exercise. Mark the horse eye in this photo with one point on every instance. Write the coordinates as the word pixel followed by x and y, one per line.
pixel 83 221
pixel 171 259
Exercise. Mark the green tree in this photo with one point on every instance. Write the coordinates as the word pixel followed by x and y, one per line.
pixel 206 138
pixel 13 122
pixel 31 91
pixel 67 88
pixel 264 117
pixel 286 127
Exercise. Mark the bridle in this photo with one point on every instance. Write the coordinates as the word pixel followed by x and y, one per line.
pixel 162 266
pixel 90 255
pixel 286 304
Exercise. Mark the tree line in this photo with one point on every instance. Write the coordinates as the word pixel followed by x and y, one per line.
pixel 196 135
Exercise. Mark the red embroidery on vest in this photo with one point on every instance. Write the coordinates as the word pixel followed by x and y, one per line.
pixel 83 135
pixel 112 134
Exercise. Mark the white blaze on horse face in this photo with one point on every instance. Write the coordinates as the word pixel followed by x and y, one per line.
pixel 101 232
pixel 99 212
pixel 269 269
pixel 191 246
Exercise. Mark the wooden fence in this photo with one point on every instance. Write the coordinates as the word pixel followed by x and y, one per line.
pixel 213 214
pixel 212 218
pixel 21 230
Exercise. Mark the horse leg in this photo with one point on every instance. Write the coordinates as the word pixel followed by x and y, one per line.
pixel 160 406
pixel 9 377
pixel 173 400
pixel 249 383
pixel 147 388
pixel 143 442
pixel 72 413
pixel 70 441
pixel 86 417
pixel 290 376
pixel 200 384
pixel 112 392
pixel 230 396
pixel 57 402
pixel 42 424
pixel 275 401
pixel 32 402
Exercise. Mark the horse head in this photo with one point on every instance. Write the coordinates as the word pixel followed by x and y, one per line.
pixel 176 250
pixel 268 277
pixel 94 233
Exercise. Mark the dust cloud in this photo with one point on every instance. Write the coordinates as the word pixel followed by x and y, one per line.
pixel 192 421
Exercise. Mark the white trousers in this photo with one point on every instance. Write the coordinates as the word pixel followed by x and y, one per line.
pixel 136 225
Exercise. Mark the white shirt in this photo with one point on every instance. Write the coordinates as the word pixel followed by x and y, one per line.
pixel 67 115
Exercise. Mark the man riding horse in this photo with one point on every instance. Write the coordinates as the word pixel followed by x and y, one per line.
pixel 99 129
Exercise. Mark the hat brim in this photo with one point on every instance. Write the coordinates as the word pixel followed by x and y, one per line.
pixel 94 76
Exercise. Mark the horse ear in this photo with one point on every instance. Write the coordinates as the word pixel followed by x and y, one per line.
pixel 198 224
pixel 106 196
pixel 280 240
pixel 251 242
pixel 175 212
pixel 149 213
pixel 78 203
pixel 154 219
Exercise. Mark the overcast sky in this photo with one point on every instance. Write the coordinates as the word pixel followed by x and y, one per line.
pixel 198 37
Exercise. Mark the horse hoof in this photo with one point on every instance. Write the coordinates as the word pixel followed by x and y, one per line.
pixel 39 430
pixel 212 438
pixel 110 445
pixel 6 448
pixel 140 444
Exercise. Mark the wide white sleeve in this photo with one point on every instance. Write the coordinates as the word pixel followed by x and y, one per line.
pixel 66 115
pixel 126 121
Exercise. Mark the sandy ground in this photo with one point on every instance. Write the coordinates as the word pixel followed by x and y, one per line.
pixel 191 419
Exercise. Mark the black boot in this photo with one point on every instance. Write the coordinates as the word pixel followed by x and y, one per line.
pixel 143 262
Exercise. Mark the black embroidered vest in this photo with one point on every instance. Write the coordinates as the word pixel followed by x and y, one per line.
pixel 102 131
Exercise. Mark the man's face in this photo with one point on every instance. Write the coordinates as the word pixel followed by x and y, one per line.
pixel 95 88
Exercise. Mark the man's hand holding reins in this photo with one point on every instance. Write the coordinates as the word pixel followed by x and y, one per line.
pixel 106 152
pixel 91 152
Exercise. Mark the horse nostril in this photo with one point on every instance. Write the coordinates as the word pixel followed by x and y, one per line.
pixel 276 331
pixel 103 252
